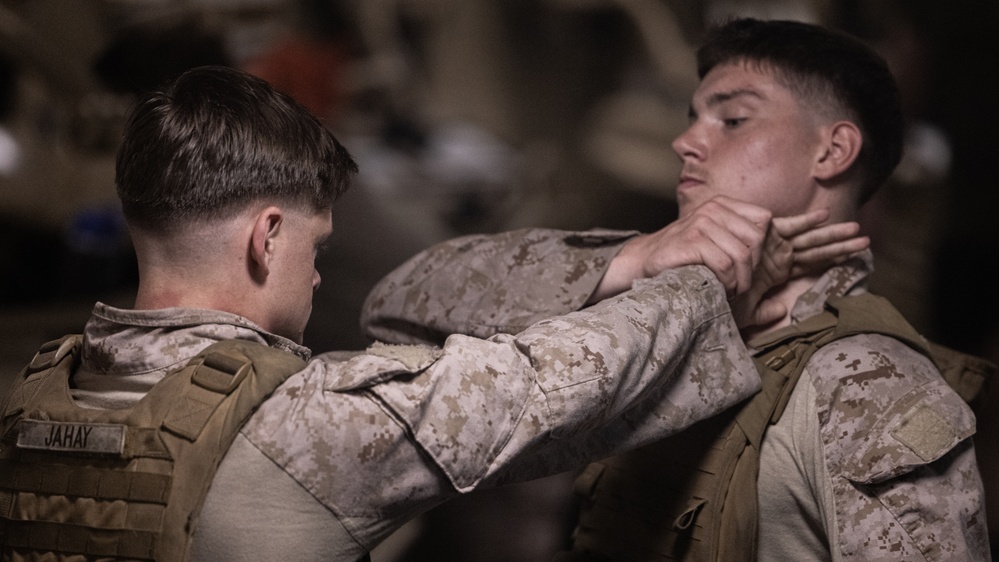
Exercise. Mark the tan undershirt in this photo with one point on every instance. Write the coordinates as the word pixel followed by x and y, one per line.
pixel 797 515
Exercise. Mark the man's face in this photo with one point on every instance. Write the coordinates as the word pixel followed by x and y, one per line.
pixel 750 139
pixel 302 235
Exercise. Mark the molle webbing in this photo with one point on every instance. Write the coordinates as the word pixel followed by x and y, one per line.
pixel 692 496
pixel 83 484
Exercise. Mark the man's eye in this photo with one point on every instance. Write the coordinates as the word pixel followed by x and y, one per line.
pixel 733 122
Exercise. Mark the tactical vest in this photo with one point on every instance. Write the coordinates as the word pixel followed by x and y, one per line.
pixel 86 484
pixel 693 496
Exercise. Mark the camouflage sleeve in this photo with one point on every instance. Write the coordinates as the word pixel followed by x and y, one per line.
pixel 482 285
pixel 898 450
pixel 565 390
pixel 393 431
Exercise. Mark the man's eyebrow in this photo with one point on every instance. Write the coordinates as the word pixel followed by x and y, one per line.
pixel 719 98
pixel 722 97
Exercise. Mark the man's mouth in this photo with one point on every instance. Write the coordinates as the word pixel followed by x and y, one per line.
pixel 688 181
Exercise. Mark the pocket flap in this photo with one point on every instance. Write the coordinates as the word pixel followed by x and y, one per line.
pixel 920 429
pixel 379 363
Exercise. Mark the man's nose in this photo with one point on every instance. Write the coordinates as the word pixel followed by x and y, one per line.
pixel 688 144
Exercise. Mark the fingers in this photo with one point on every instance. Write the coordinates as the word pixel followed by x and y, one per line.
pixel 826 246
pixel 727 241
pixel 749 314
pixel 726 235
pixel 823 235
pixel 757 215
pixel 767 312
pixel 823 257
pixel 731 248
pixel 789 227
pixel 777 263
pixel 819 247
pixel 794 246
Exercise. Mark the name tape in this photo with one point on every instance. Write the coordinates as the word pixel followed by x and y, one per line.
pixel 95 438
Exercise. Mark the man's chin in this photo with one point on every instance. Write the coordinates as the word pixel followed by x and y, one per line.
pixel 686 202
pixel 685 208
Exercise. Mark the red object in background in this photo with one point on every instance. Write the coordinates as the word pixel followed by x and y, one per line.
pixel 309 70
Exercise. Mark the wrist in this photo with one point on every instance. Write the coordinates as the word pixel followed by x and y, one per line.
pixel 624 268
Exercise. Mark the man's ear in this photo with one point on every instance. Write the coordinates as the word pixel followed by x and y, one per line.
pixel 266 227
pixel 840 150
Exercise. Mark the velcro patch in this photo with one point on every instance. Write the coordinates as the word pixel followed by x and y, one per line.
pixel 93 438
pixel 926 433
pixel 414 357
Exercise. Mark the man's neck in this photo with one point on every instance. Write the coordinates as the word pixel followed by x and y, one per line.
pixel 786 295
pixel 157 291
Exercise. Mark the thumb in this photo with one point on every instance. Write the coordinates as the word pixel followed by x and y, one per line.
pixel 768 312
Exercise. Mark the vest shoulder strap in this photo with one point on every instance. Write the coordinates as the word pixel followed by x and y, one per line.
pixel 28 382
pixel 789 349
pixel 216 373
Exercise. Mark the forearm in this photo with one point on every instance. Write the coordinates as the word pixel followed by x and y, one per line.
pixel 575 388
pixel 476 413
pixel 487 284
pixel 624 268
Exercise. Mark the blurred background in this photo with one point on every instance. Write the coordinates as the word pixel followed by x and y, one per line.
pixel 474 116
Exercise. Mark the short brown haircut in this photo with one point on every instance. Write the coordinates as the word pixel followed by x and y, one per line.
pixel 216 139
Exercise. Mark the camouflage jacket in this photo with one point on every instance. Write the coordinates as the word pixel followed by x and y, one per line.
pixel 859 493
pixel 357 443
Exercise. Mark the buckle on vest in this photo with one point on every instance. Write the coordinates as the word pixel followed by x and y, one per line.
pixel 686 519
pixel 220 372
pixel 778 361
pixel 52 352
pixel 217 373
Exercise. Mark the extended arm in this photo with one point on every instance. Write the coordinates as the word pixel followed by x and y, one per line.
pixel 482 285
pixel 436 421
pixel 580 386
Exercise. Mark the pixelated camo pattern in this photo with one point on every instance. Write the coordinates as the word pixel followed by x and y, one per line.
pixel 897 446
pixel 897 443
pixel 906 485
pixel 563 392
pixel 463 286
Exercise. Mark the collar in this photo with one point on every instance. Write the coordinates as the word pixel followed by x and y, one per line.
pixel 130 342
pixel 847 278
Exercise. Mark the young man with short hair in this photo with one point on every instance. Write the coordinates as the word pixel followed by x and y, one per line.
pixel 872 457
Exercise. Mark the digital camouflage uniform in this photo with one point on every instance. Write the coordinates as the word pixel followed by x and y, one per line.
pixel 347 450
pixel 838 459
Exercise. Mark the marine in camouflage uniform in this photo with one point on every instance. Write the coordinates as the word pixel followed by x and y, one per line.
pixel 354 445
pixel 835 483
pixel 872 458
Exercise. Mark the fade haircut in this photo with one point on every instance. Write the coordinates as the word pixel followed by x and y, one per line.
pixel 828 71
pixel 213 141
